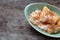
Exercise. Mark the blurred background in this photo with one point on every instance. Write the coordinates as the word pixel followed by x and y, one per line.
pixel 13 24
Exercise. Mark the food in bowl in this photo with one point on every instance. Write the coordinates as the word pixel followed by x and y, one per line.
pixel 45 19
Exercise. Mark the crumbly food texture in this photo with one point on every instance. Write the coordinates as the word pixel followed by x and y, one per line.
pixel 46 20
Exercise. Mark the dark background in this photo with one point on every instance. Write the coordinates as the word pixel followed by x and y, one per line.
pixel 13 24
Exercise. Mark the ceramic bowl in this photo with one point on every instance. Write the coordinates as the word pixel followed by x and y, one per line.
pixel 32 7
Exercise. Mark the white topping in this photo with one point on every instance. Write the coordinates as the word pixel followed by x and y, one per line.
pixel 48 16
pixel 44 27
pixel 36 10
pixel 36 21
pixel 43 19
pixel 33 15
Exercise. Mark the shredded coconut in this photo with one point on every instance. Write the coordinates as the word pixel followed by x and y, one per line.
pixel 44 27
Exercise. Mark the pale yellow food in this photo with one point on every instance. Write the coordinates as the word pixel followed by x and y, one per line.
pixel 51 16
pixel 46 20
pixel 58 23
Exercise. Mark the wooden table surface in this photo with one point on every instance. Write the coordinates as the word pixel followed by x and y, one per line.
pixel 13 24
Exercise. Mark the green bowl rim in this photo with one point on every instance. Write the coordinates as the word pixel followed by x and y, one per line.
pixel 32 24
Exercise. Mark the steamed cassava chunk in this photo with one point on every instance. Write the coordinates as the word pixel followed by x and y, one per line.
pixel 51 16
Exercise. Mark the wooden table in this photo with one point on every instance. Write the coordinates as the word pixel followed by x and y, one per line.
pixel 13 24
